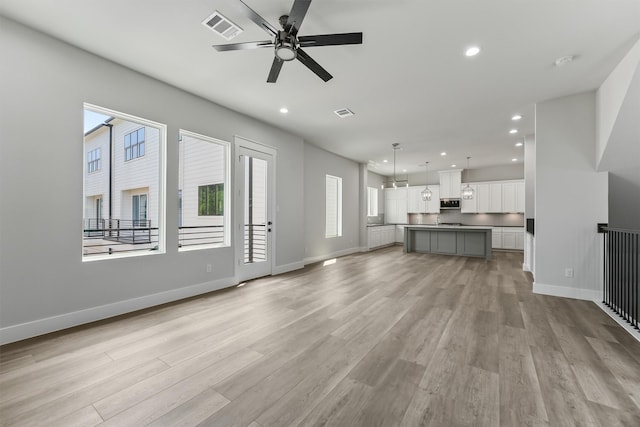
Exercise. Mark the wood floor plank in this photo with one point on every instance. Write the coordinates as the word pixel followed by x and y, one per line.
pixel 378 338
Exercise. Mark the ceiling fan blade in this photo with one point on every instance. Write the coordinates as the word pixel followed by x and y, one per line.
pixel 243 46
pixel 297 14
pixel 313 65
pixel 330 39
pixel 259 20
pixel 275 70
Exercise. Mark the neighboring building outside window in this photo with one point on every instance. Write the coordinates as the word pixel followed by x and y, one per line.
pixel 139 210
pixel 134 145
pixel 93 160
pixel 211 200
pixel 204 218
pixel 123 210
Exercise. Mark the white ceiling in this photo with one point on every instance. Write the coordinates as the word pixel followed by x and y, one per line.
pixel 409 82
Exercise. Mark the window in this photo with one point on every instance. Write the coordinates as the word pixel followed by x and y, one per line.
pixel 139 210
pixel 134 145
pixel 203 204
pixel 93 160
pixel 372 201
pixel 333 199
pixel 211 200
pixel 123 204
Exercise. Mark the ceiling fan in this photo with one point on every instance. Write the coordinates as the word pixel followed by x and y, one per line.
pixel 286 42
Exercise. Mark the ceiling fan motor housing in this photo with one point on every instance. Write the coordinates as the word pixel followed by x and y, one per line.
pixel 286 46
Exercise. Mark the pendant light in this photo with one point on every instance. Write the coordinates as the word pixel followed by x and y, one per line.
pixel 426 193
pixel 467 192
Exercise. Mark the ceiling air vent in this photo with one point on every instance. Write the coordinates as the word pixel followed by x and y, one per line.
pixel 344 112
pixel 221 25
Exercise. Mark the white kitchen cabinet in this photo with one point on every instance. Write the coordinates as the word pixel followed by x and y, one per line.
pixel 379 236
pixel 507 238
pixel 395 205
pixel 470 205
pixel 415 204
pixel 450 184
pixel 495 197
pixel 483 198
pixel 509 197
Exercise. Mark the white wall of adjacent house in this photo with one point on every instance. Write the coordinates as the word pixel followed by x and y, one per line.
pixel 96 183
pixel 202 163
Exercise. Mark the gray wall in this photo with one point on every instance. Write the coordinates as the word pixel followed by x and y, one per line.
pixel 318 164
pixel 41 162
pixel 624 198
pixel 571 198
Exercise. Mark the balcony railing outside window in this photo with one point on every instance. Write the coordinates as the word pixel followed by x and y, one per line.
pixel 109 236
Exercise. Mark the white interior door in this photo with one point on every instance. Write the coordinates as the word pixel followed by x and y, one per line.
pixel 254 210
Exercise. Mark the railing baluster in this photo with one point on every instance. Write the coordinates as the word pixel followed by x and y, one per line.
pixel 621 288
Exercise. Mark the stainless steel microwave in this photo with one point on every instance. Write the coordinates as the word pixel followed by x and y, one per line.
pixel 450 204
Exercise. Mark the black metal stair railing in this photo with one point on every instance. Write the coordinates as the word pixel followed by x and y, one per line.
pixel 621 275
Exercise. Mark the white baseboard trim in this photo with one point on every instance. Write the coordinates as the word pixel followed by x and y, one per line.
pixel 343 252
pixel 619 320
pixel 281 269
pixel 526 267
pixel 34 328
pixel 566 292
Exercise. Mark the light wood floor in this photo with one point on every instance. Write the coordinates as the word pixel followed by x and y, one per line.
pixel 376 339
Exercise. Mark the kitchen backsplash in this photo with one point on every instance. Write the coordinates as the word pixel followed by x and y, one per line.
pixel 498 219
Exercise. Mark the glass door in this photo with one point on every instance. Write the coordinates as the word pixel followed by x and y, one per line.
pixel 254 173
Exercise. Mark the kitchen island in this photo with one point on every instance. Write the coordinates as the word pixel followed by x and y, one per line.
pixel 474 241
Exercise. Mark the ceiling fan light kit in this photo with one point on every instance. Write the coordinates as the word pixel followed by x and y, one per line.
pixel 286 43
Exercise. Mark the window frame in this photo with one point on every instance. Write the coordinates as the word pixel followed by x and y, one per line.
pixel 330 213
pixel 161 128
pixel 137 147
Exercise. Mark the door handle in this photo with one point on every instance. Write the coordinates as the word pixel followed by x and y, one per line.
pixel 269 223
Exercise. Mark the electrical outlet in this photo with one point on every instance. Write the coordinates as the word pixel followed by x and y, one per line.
pixel 209 268
pixel 568 272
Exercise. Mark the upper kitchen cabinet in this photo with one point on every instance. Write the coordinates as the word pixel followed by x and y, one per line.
pixel 415 204
pixel 496 197
pixel 450 184
pixel 470 205
pixel 395 205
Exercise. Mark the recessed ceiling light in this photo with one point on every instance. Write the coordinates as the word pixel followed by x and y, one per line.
pixel 512 131
pixel 443 153
pixel 514 160
pixel 516 117
pixel 385 161
pixel 284 110
pixel 518 144
pixel 563 60
pixel 453 166
pixel 404 170
pixel 472 51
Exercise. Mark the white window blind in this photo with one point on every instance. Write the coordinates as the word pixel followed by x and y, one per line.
pixel 333 206
pixel 372 201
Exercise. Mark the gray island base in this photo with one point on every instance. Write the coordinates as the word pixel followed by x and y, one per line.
pixel 449 240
